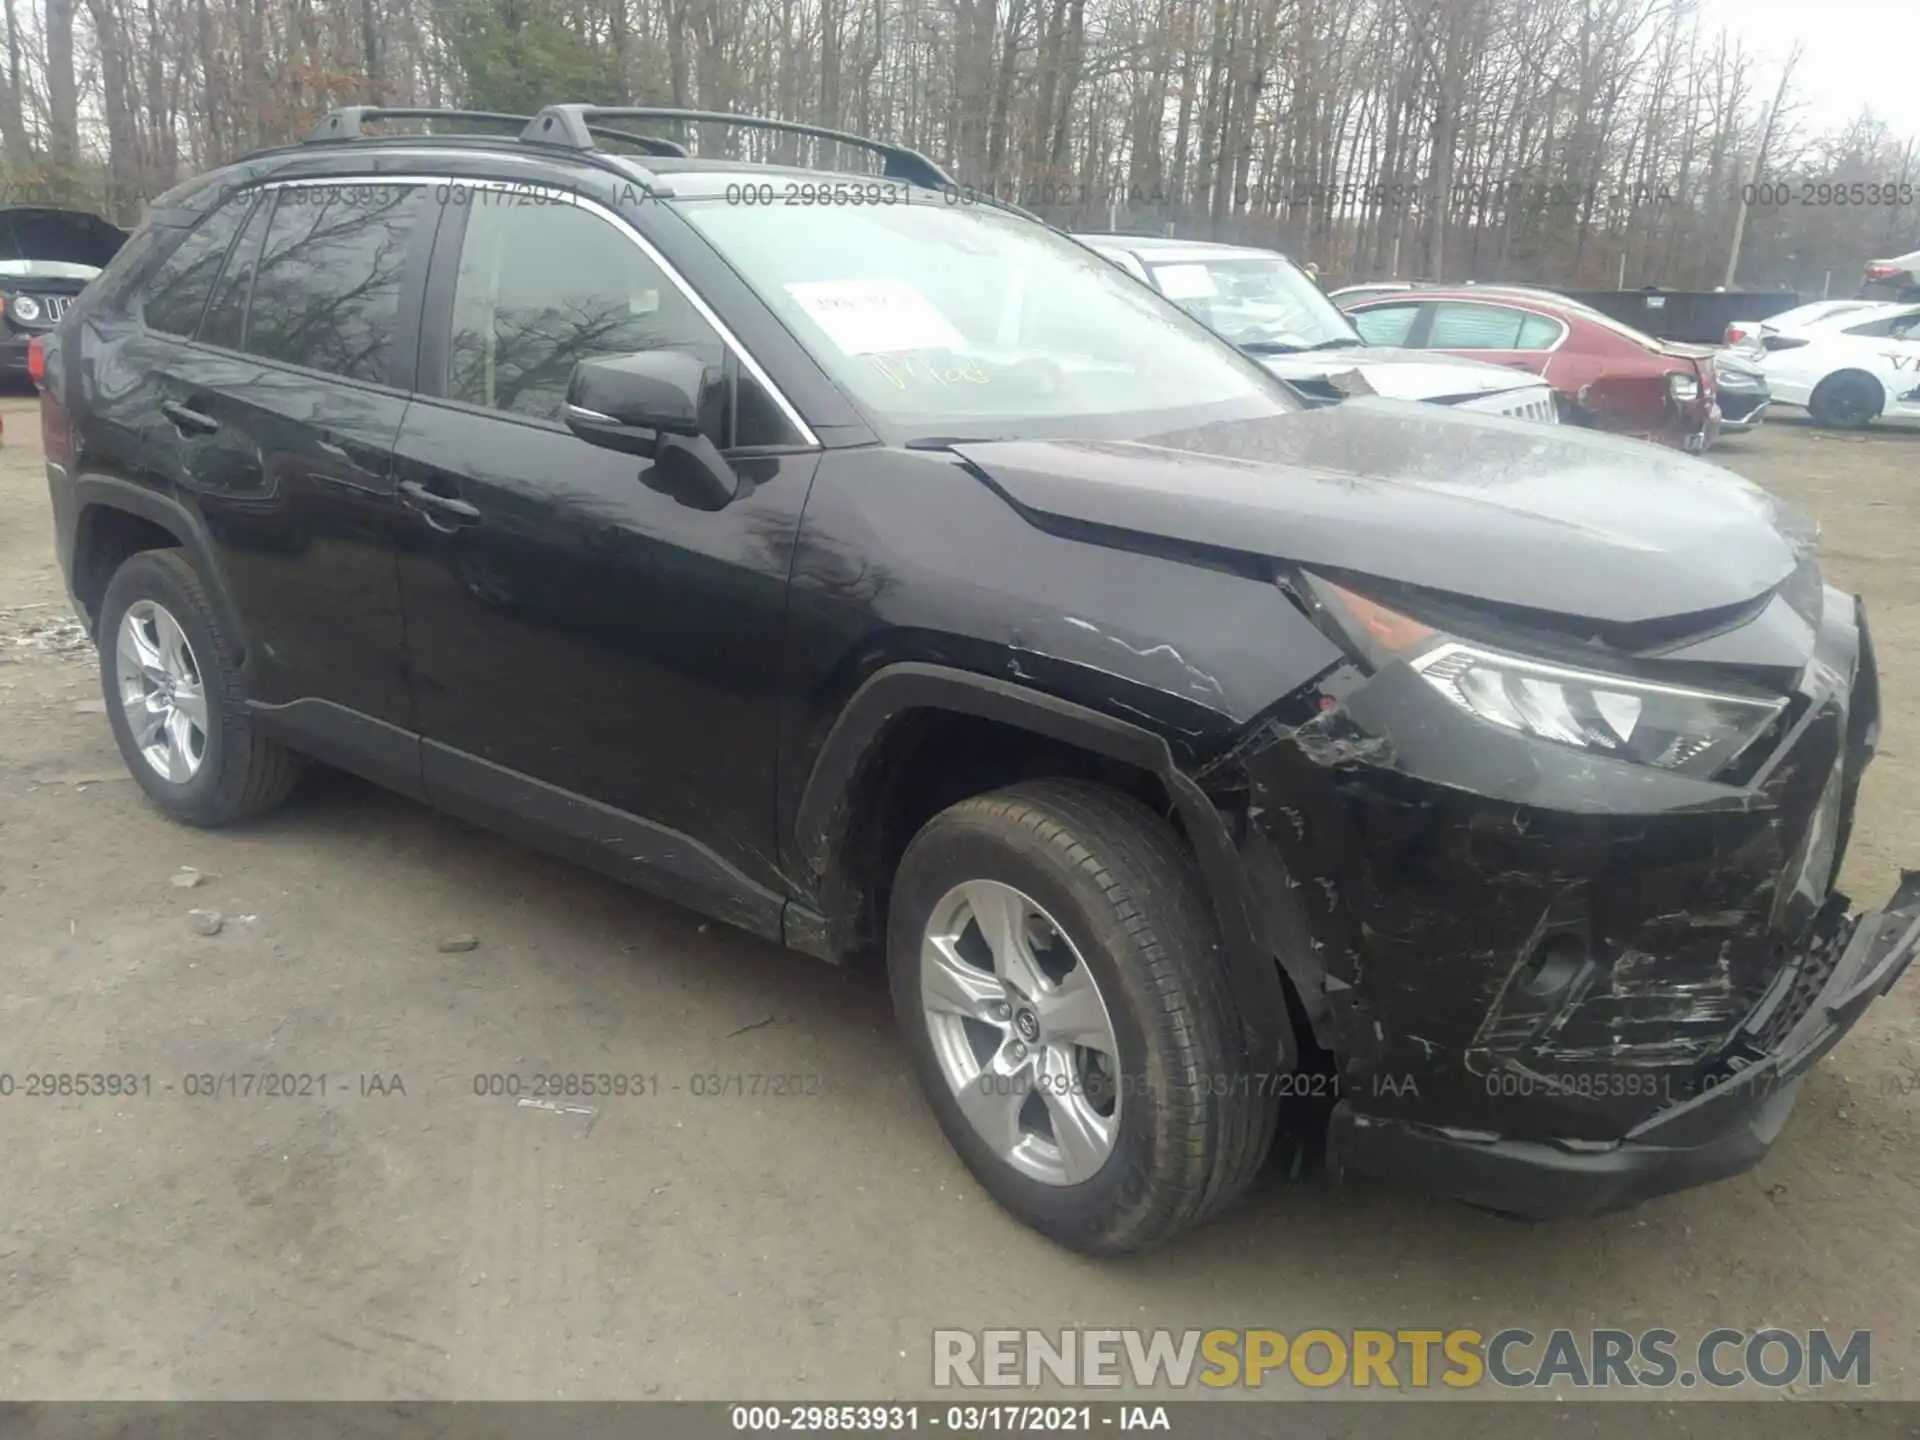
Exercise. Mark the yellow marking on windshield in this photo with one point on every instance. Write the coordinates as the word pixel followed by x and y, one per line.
pixel 900 370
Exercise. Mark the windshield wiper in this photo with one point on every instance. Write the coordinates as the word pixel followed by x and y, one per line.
pixel 1272 347
pixel 948 442
pixel 1336 344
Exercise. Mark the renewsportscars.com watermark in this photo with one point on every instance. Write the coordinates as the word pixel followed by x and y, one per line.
pixel 1399 1359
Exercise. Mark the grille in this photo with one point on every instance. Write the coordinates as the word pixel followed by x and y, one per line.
pixel 1815 969
pixel 1534 403
pixel 57 306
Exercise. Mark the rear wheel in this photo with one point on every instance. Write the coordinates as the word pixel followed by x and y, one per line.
pixel 1847 401
pixel 172 686
pixel 1057 977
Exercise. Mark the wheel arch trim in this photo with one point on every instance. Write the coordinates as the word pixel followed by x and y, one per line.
pixel 896 691
pixel 107 492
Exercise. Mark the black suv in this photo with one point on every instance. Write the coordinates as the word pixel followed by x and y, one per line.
pixel 877 569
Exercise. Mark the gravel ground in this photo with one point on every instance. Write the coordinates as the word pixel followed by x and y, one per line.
pixel 402 1236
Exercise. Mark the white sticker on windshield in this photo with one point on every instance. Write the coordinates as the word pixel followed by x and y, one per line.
pixel 1184 282
pixel 869 317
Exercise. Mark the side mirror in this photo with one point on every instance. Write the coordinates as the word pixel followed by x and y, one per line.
pixel 664 405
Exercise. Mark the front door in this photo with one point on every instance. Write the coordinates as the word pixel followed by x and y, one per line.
pixel 595 662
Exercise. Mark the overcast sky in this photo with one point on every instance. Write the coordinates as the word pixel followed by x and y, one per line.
pixel 1857 53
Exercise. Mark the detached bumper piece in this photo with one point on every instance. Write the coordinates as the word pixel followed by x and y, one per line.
pixel 1722 1131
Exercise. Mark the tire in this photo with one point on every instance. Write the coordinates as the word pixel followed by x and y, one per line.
pixel 238 773
pixel 1191 1124
pixel 1850 400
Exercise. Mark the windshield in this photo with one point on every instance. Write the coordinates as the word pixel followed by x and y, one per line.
pixel 962 321
pixel 1262 301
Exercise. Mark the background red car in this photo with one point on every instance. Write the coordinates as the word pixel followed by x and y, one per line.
pixel 1606 375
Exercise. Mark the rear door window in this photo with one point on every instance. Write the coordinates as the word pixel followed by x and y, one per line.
pixel 1459 325
pixel 225 322
pixel 326 293
pixel 1386 324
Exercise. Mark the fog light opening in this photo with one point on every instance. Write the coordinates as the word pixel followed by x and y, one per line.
pixel 1555 963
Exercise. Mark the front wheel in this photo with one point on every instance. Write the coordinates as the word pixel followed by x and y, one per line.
pixel 1057 975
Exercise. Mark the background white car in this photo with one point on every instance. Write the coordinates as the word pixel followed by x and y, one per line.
pixel 1849 369
pixel 1748 335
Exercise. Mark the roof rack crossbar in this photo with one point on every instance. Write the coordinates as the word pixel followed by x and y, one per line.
pixel 349 122
pixel 571 125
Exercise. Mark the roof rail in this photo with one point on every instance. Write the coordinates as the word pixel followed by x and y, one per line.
pixel 349 122
pixel 571 126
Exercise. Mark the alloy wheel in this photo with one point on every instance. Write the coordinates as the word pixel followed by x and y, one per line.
pixel 161 691
pixel 1021 1032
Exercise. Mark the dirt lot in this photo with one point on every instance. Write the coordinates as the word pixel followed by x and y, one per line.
pixel 432 1242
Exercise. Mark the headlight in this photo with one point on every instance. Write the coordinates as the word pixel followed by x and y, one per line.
pixel 1670 727
pixel 1684 388
pixel 26 308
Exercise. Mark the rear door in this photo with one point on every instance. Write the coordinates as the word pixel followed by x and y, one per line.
pixel 277 422
pixel 1496 334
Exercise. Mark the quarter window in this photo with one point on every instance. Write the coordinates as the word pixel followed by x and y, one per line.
pixel 1539 332
pixel 327 291
pixel 179 292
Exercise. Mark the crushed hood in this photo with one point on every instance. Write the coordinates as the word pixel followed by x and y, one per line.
pixel 1549 518
pixel 1399 374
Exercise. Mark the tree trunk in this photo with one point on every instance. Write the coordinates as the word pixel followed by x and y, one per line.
pixel 63 102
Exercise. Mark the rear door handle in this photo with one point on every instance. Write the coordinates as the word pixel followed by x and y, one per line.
pixel 187 420
pixel 446 505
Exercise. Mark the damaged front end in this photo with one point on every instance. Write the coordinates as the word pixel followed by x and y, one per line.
pixel 1568 925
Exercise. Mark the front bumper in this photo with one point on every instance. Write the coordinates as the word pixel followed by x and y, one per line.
pixel 13 354
pixel 1723 1131
pixel 1553 982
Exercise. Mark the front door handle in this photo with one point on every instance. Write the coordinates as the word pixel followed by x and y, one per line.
pixel 457 510
pixel 187 420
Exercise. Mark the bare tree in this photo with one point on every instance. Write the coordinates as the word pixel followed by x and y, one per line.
pixel 1563 141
